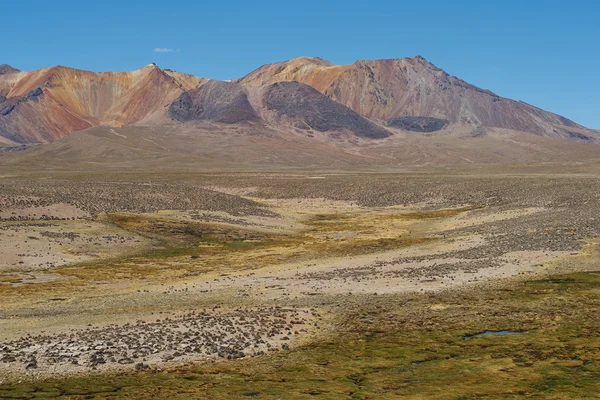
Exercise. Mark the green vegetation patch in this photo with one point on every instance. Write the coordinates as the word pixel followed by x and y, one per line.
pixel 401 346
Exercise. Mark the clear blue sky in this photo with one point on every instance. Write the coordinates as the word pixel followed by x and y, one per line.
pixel 546 53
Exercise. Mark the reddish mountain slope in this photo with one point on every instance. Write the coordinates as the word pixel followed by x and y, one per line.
pixel 386 89
pixel 47 104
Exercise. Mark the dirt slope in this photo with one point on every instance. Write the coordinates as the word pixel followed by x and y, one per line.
pixel 204 145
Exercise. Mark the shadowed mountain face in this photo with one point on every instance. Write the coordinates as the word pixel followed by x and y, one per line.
pixel 306 105
pixel 387 89
pixel 214 101
pixel 417 124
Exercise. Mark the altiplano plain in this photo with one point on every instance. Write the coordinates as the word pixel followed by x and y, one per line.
pixel 295 275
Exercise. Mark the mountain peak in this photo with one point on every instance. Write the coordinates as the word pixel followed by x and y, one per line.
pixel 7 69
pixel 309 60
pixel 150 66
pixel 418 59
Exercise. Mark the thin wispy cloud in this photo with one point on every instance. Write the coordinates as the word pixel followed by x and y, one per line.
pixel 163 50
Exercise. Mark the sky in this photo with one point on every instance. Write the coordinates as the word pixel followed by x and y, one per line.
pixel 546 53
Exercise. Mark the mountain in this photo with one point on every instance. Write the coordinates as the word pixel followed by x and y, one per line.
pixel 50 103
pixel 304 97
pixel 391 90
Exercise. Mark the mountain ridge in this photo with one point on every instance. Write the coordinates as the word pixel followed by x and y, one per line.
pixel 47 104
pixel 392 88
pixel 72 99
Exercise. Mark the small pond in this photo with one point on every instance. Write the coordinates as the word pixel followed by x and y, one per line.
pixel 495 333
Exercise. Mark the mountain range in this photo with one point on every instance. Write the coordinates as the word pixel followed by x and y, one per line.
pixel 362 104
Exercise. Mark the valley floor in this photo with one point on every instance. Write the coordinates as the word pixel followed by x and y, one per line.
pixel 300 285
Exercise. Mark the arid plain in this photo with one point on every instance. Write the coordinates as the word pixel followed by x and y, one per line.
pixel 300 284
